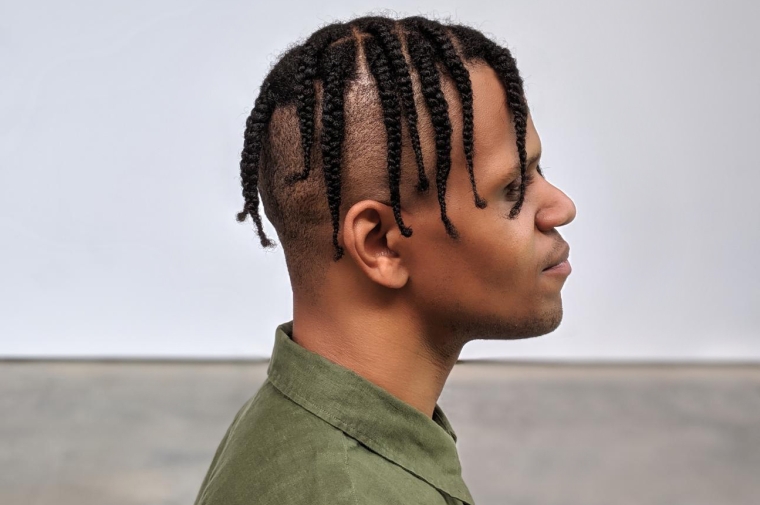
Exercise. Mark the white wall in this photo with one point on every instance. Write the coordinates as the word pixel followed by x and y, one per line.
pixel 120 132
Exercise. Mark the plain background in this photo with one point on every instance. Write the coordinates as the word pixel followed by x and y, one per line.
pixel 120 134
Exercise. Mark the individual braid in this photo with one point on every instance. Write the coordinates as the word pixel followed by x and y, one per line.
pixel 304 89
pixel 501 60
pixel 379 67
pixel 461 77
pixel 383 31
pixel 337 68
pixel 423 57
pixel 504 64
pixel 255 129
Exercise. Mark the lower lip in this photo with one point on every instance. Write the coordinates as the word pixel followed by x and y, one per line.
pixel 561 269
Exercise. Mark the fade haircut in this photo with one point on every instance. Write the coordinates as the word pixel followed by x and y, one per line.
pixel 314 113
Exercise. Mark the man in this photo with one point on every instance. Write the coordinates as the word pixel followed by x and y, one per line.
pixel 348 134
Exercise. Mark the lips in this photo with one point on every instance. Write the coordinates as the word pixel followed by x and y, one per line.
pixel 561 258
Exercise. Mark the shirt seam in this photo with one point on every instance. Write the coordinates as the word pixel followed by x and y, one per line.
pixel 348 470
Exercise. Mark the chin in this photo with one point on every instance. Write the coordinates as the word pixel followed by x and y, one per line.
pixel 541 323
pixel 501 327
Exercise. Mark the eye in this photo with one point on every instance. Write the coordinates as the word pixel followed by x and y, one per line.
pixel 513 190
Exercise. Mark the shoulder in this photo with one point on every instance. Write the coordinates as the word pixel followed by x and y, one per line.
pixel 276 452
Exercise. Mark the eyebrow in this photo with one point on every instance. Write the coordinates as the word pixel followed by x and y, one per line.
pixel 531 160
pixel 515 170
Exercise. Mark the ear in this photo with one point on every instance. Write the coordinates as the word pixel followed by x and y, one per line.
pixel 369 228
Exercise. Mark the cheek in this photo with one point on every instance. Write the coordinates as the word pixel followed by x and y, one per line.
pixel 493 259
pixel 504 258
pixel 503 247
pixel 442 269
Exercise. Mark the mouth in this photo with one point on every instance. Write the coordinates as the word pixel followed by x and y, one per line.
pixel 561 263
pixel 563 268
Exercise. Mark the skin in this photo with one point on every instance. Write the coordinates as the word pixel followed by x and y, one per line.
pixel 398 310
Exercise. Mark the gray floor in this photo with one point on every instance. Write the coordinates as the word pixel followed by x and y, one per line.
pixel 144 433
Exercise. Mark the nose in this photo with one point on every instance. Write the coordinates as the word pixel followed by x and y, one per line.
pixel 558 209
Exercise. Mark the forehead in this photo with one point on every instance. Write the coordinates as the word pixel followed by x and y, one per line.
pixel 490 107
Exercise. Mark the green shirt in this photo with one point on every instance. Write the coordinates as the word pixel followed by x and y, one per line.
pixel 318 433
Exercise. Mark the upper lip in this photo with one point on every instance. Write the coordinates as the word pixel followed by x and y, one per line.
pixel 562 257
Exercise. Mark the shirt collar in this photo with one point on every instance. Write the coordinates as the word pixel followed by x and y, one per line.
pixel 363 410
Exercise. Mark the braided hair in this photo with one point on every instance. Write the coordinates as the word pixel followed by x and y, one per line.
pixel 326 65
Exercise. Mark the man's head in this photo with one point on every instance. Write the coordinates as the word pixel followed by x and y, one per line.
pixel 394 159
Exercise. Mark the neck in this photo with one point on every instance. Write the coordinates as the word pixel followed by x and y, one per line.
pixel 380 341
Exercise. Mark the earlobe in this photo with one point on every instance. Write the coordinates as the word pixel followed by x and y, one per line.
pixel 366 229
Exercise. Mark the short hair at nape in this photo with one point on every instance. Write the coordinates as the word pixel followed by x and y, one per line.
pixel 299 120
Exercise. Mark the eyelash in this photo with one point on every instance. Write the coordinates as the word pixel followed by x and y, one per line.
pixel 514 188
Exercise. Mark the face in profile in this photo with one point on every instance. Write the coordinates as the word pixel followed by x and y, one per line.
pixel 492 283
